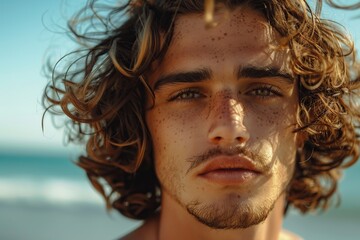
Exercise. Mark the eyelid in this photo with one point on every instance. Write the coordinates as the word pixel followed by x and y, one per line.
pixel 177 94
pixel 273 89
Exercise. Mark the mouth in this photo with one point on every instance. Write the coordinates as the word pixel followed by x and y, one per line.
pixel 229 170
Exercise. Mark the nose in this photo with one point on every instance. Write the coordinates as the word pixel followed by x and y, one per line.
pixel 227 122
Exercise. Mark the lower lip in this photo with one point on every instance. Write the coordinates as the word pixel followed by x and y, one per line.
pixel 229 176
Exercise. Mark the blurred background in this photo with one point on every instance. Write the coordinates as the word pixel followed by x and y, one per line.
pixel 43 195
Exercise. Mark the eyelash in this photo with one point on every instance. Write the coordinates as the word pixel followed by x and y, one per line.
pixel 271 91
pixel 180 95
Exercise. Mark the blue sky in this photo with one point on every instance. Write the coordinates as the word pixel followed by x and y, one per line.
pixel 24 45
pixel 25 41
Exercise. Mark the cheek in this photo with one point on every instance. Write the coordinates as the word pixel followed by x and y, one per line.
pixel 273 135
pixel 285 153
pixel 272 120
pixel 171 131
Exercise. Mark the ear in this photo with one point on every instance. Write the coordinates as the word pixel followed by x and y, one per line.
pixel 301 137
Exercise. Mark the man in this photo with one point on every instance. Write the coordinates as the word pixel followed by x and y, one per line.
pixel 211 128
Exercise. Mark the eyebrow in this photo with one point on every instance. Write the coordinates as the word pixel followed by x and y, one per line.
pixel 205 74
pixel 183 77
pixel 266 72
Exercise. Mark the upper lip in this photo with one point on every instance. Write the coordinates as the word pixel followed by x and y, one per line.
pixel 228 162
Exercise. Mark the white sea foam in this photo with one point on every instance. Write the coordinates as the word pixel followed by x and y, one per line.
pixel 51 191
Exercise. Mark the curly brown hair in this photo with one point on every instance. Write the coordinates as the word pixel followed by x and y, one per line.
pixel 103 92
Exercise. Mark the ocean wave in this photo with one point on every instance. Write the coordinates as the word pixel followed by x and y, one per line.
pixel 51 191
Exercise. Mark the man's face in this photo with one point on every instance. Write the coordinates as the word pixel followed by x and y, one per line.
pixel 222 121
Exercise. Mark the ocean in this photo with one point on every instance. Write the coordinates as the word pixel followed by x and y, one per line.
pixel 47 197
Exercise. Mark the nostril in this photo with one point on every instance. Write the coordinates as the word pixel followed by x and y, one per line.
pixel 217 139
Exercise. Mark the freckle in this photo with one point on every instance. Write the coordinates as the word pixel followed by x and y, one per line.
pixel 219 38
pixel 225 34
pixel 212 39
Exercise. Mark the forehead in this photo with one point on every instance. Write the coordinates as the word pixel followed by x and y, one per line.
pixel 242 23
pixel 242 35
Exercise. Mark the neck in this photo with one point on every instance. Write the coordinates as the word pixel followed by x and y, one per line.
pixel 176 223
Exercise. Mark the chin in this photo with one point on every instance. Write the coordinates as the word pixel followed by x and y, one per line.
pixel 232 213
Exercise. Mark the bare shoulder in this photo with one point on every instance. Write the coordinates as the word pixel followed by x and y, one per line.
pixel 147 231
pixel 136 234
pixel 287 235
